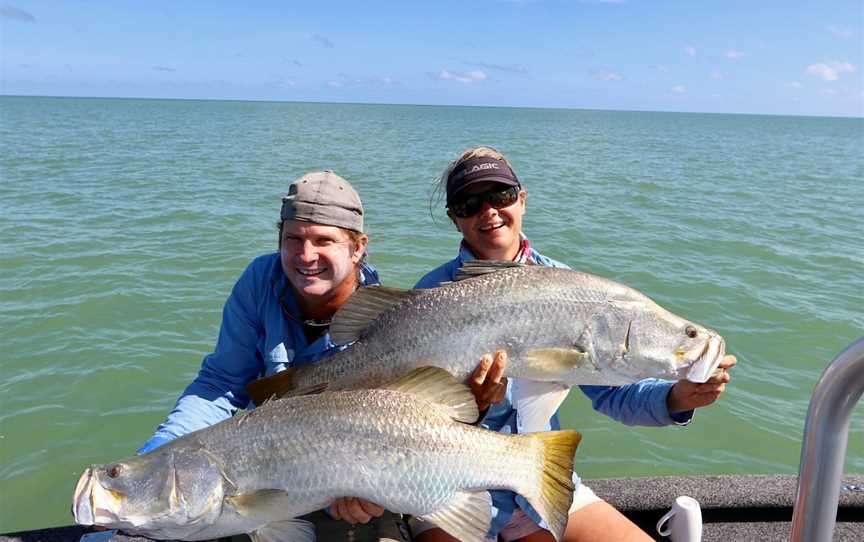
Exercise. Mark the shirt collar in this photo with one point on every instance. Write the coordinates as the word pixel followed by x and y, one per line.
pixel 526 254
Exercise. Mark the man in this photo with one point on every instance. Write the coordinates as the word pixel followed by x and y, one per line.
pixel 278 315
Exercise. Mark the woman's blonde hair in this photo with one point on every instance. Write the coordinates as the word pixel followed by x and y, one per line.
pixel 479 151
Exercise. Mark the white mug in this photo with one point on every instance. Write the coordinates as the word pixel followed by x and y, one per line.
pixel 683 522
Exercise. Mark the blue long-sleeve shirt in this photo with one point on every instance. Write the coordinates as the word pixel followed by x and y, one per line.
pixel 640 403
pixel 256 339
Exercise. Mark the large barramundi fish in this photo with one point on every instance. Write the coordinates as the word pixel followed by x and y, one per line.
pixel 559 328
pixel 401 446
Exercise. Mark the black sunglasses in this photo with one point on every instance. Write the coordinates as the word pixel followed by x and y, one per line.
pixel 497 199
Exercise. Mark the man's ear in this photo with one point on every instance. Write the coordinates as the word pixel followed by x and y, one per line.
pixel 452 218
pixel 360 248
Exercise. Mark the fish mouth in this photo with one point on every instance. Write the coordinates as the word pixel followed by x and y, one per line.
pixel 708 360
pixel 91 503
pixel 82 504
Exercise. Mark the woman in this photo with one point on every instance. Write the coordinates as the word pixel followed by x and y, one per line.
pixel 486 202
pixel 279 311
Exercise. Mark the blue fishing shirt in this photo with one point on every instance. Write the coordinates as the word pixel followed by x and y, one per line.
pixel 640 403
pixel 256 339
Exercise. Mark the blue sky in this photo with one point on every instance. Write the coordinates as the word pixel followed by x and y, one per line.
pixel 772 57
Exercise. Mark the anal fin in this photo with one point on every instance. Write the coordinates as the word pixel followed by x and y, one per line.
pixel 292 530
pixel 466 516
pixel 536 402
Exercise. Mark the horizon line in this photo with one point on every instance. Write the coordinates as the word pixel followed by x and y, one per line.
pixel 548 108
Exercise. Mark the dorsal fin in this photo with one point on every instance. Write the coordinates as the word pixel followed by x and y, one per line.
pixel 438 386
pixel 362 307
pixel 478 268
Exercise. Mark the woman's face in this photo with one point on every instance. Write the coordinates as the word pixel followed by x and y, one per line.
pixel 492 234
pixel 319 261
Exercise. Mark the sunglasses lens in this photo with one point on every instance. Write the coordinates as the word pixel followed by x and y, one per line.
pixel 504 198
pixel 472 205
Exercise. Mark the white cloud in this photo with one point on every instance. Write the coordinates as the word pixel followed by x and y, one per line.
pixel 511 68
pixel 841 32
pixel 473 76
pixel 828 92
pixel 661 68
pixel 691 51
pixel 830 71
pixel 607 75
pixel 680 89
pixel 793 84
pixel 348 80
pixel 732 54
pixel 716 75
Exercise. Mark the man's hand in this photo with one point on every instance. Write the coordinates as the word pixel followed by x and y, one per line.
pixel 686 395
pixel 354 510
pixel 487 382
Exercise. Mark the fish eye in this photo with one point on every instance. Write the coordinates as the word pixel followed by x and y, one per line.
pixel 114 470
pixel 691 332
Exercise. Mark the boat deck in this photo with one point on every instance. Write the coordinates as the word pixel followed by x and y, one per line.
pixel 741 508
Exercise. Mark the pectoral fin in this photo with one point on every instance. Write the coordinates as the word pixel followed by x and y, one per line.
pixel 554 363
pixel 536 402
pixel 466 516
pixel 292 530
pixel 267 504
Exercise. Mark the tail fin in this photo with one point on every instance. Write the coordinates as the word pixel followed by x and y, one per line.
pixel 552 500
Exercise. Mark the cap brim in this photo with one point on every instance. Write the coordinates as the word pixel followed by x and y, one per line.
pixel 490 179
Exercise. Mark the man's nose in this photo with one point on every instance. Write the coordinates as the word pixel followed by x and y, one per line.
pixel 308 252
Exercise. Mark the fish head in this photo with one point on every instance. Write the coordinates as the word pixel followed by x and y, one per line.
pixel 166 493
pixel 644 340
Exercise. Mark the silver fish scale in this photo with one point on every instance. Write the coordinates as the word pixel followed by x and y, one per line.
pixel 388 447
pixel 518 309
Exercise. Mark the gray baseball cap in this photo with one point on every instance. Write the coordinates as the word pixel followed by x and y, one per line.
pixel 324 198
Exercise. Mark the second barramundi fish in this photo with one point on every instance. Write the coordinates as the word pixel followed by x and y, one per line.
pixel 401 446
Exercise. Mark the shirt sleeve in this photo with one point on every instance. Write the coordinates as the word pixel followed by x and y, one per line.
pixel 640 403
pixel 219 390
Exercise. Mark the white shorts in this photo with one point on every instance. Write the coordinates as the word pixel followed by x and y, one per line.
pixel 520 523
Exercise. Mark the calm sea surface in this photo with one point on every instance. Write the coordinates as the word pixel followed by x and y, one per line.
pixel 124 224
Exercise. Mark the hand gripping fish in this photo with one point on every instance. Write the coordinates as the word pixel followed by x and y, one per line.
pixel 560 328
pixel 401 446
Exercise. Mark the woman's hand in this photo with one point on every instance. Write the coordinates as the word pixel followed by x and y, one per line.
pixel 354 510
pixel 686 395
pixel 487 382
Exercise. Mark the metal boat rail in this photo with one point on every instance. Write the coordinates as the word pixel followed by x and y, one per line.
pixel 823 450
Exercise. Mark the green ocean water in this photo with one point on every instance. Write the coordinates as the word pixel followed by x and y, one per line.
pixel 124 224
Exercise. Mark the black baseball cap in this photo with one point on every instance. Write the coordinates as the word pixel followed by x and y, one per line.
pixel 478 170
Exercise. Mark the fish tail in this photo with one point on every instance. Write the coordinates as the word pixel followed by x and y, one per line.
pixel 553 498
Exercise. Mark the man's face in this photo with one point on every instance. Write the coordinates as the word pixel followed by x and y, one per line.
pixel 318 260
